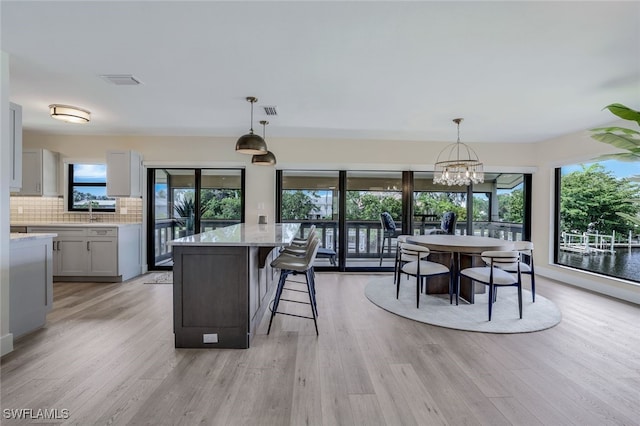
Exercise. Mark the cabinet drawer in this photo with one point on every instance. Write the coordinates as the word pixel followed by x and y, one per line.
pixel 61 231
pixel 103 232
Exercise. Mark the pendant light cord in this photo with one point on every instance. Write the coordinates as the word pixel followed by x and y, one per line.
pixel 251 125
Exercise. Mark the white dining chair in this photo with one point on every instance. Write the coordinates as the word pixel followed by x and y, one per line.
pixel 525 248
pixel 420 268
pixel 494 274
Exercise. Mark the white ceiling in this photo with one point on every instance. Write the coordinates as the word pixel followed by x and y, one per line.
pixel 516 71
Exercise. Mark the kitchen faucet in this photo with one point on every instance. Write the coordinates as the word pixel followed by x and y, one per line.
pixel 91 218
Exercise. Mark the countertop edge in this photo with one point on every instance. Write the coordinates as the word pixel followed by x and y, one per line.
pixel 33 236
pixel 74 224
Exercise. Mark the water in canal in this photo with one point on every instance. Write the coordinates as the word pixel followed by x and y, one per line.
pixel 625 263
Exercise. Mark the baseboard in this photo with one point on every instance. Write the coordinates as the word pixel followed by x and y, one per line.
pixel 6 344
pixel 619 289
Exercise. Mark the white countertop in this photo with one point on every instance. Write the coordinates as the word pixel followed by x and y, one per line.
pixel 15 236
pixel 75 224
pixel 268 235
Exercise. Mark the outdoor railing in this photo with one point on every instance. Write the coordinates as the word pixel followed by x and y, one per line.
pixel 169 229
pixel 365 237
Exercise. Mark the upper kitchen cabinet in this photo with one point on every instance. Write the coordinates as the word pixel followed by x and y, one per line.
pixel 15 140
pixel 40 173
pixel 124 174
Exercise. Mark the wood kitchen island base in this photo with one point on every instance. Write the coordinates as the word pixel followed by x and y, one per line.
pixel 222 284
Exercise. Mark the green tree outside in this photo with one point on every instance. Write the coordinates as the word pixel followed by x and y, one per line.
pixel 221 204
pixel 297 205
pixel 480 208
pixel 438 203
pixel 594 196
pixel 511 206
pixel 365 205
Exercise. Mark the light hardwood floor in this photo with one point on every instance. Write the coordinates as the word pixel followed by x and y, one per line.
pixel 107 356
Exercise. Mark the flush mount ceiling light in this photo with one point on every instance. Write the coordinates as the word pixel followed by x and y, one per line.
pixel 70 114
pixel 458 164
pixel 267 159
pixel 251 143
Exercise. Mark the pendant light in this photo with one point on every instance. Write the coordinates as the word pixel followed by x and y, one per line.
pixel 251 143
pixel 267 159
pixel 458 164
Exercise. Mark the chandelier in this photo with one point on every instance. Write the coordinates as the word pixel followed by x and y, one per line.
pixel 458 164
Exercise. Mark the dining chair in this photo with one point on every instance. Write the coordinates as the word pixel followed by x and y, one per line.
pixel 447 225
pixel 494 273
pixel 421 269
pixel 525 248
pixel 402 258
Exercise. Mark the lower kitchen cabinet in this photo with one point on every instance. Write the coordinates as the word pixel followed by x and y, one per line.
pixel 70 256
pixel 103 256
pixel 103 253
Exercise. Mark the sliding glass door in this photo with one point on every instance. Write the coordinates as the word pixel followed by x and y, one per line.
pixel 499 206
pixel 346 207
pixel 368 194
pixel 311 198
pixel 431 201
pixel 184 202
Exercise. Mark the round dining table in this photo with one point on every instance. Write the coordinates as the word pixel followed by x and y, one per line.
pixel 463 247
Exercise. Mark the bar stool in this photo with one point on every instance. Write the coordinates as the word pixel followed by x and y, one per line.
pixel 291 264
pixel 388 232
pixel 303 241
pixel 299 246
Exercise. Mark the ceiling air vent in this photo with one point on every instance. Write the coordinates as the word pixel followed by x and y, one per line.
pixel 270 110
pixel 121 79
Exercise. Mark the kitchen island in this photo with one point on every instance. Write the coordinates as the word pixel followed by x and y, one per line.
pixel 222 282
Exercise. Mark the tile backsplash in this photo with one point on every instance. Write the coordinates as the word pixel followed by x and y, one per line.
pixel 52 209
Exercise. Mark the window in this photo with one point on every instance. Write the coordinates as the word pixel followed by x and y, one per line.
pixel 500 206
pixel 598 218
pixel 88 184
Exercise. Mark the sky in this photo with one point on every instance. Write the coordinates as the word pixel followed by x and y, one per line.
pixel 91 173
pixel 620 169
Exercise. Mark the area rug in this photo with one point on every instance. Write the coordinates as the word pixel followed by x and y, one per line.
pixel 159 278
pixel 436 310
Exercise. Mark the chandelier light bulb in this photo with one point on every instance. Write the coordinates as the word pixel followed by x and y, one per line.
pixel 458 164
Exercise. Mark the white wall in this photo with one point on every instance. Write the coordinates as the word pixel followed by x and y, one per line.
pixel 539 159
pixel 6 339
pixel 292 153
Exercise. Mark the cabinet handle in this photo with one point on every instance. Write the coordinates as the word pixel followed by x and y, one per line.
pixel 88 242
